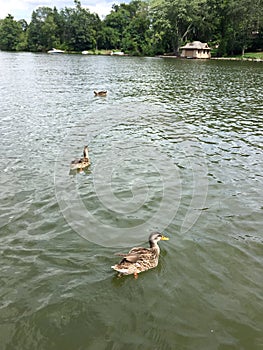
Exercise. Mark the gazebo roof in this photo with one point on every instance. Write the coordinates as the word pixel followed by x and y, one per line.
pixel 195 45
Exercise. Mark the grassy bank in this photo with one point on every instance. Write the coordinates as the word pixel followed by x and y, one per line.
pixel 252 55
pixel 249 56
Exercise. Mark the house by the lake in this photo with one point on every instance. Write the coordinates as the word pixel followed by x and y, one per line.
pixel 196 49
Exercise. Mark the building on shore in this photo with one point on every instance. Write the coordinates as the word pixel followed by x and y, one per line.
pixel 196 49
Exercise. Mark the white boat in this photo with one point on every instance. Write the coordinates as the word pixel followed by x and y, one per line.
pixel 117 53
pixel 55 51
pixel 85 52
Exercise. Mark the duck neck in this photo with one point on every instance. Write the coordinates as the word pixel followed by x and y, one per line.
pixel 154 245
pixel 85 153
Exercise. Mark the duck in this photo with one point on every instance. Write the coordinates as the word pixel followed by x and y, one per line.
pixel 82 162
pixel 140 259
pixel 100 93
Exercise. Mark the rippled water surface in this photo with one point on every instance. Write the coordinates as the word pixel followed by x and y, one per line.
pixel 175 146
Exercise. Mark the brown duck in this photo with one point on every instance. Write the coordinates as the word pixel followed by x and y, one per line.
pixel 100 93
pixel 140 259
pixel 82 162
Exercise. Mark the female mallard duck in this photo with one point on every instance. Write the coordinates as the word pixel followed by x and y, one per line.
pixel 82 162
pixel 100 93
pixel 140 259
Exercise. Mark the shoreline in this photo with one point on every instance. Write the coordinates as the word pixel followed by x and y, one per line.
pixel 216 58
pixel 238 59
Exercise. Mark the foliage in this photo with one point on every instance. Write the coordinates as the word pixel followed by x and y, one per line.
pixel 11 34
pixel 141 27
pixel 42 30
pixel 80 28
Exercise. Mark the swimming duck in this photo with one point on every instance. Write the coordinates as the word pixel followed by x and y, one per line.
pixel 140 259
pixel 100 93
pixel 82 162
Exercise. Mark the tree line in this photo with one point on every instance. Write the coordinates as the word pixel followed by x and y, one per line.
pixel 141 27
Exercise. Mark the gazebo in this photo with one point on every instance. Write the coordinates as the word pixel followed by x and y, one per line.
pixel 196 49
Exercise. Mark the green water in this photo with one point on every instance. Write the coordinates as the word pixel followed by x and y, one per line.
pixel 175 146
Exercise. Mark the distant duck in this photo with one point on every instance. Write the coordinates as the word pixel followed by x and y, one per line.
pixel 82 162
pixel 100 93
pixel 140 259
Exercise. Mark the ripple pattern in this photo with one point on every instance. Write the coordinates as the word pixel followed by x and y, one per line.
pixel 177 146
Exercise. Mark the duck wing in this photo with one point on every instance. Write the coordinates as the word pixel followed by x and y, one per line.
pixel 140 250
pixel 134 254
pixel 129 257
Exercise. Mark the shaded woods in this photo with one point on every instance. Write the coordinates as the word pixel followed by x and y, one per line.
pixel 140 27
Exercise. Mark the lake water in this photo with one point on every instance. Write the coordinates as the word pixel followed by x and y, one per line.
pixel 175 146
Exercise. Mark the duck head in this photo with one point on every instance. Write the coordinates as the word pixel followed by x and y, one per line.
pixel 155 237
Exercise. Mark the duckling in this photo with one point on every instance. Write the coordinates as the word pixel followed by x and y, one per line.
pixel 82 162
pixel 140 259
pixel 100 93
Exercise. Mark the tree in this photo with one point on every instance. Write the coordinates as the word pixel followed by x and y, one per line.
pixel 118 20
pixel 177 20
pixel 108 38
pixel 246 17
pixel 80 28
pixel 137 35
pixel 10 34
pixel 42 30
pixel 22 44
pixel 129 27
pixel 238 24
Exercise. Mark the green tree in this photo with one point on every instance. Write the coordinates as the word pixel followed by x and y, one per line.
pixel 246 17
pixel 118 20
pixel 22 44
pixel 137 35
pixel 127 27
pixel 108 38
pixel 42 30
pixel 238 25
pixel 80 28
pixel 176 20
pixel 11 33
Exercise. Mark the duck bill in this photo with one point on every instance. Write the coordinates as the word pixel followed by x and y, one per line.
pixel 164 238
